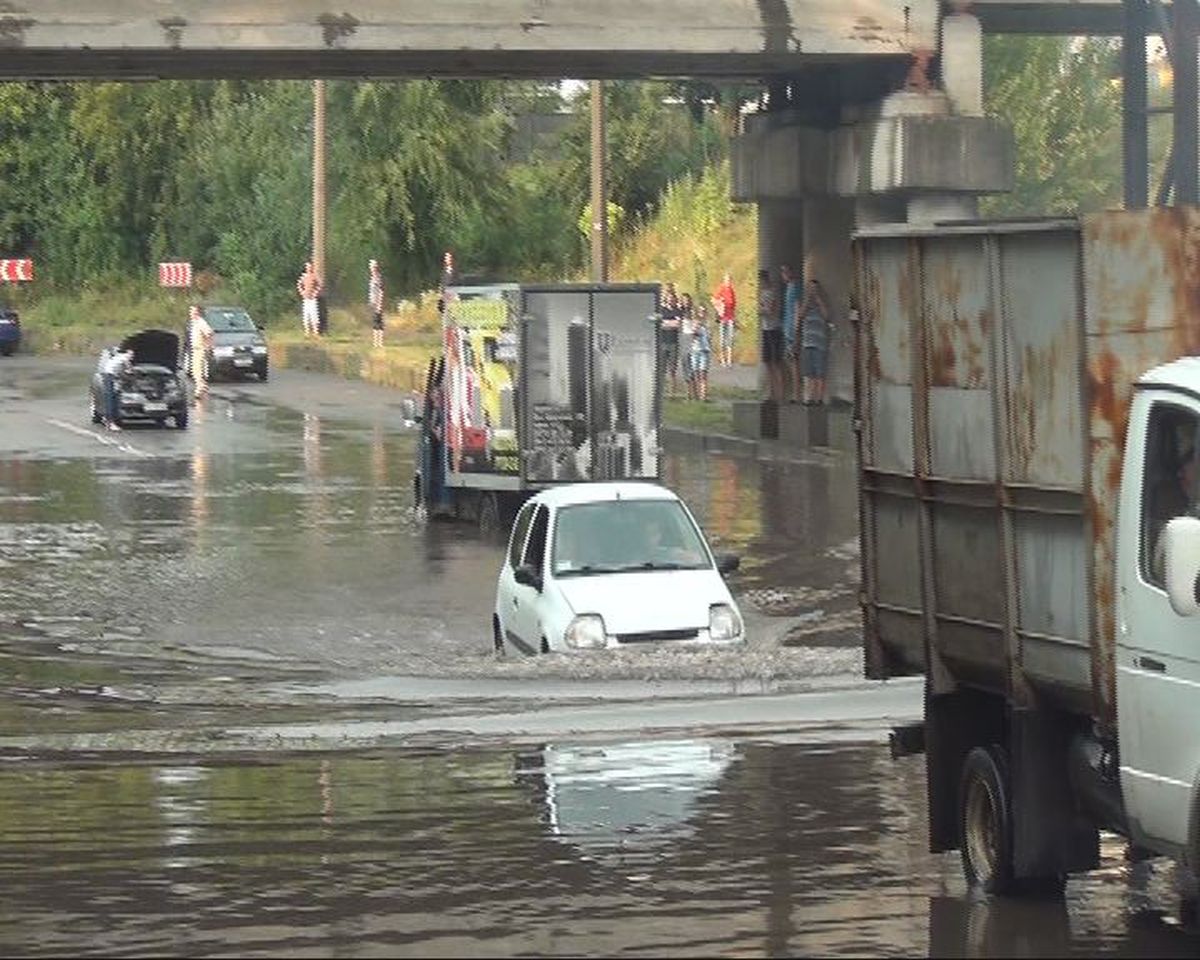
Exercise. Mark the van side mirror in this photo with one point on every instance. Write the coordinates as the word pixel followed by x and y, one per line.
pixel 727 563
pixel 1182 536
pixel 528 577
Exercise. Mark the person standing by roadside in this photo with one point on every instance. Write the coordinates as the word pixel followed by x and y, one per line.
pixel 686 316
pixel 701 354
pixel 790 295
pixel 814 341
pixel 725 304
pixel 375 299
pixel 200 337
pixel 116 367
pixel 308 285
pixel 771 334
pixel 669 311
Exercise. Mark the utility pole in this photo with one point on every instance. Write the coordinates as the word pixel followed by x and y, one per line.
pixel 318 182
pixel 599 187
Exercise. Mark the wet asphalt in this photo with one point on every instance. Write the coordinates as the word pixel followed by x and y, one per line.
pixel 248 705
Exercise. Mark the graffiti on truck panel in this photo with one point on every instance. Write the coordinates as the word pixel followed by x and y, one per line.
pixel 480 347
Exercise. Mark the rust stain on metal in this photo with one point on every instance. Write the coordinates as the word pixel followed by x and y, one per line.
pixel 173 28
pixel 869 297
pixel 942 360
pixel 337 27
pixel 12 28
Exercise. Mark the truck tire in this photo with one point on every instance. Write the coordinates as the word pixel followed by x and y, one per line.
pixel 985 821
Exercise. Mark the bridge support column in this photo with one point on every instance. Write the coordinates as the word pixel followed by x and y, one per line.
pixel 921 155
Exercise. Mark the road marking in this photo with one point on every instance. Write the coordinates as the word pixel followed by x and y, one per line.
pixel 100 438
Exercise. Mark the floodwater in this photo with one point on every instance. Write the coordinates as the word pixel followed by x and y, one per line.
pixel 249 706
pixel 693 847
pixel 271 554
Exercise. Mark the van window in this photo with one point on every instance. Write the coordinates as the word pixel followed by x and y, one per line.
pixel 520 528
pixel 1171 479
pixel 535 550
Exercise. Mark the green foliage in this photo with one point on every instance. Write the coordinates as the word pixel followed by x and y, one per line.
pixel 616 218
pixel 99 181
pixel 1060 96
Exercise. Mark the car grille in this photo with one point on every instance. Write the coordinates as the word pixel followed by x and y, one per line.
pixel 657 635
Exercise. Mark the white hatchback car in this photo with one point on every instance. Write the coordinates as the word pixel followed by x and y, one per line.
pixel 594 565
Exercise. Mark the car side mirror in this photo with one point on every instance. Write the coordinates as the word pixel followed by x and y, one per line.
pixel 728 562
pixel 528 577
pixel 1182 537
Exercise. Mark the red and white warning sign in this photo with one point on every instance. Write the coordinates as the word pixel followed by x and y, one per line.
pixel 176 274
pixel 16 271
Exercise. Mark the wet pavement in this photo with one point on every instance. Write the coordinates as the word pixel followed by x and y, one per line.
pixel 248 704
pixel 693 847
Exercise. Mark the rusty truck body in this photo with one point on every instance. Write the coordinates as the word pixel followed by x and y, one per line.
pixel 1024 425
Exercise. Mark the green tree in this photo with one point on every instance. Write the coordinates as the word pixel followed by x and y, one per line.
pixel 1063 101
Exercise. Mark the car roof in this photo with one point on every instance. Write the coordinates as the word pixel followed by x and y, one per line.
pixel 573 493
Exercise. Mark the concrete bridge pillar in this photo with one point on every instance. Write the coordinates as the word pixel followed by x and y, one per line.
pixel 923 154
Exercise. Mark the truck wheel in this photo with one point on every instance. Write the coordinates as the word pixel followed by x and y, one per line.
pixel 497 635
pixel 489 516
pixel 985 821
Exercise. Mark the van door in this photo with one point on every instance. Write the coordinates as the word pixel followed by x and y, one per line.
pixel 1158 651
pixel 525 625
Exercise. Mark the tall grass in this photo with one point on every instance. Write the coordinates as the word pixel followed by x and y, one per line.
pixel 697 234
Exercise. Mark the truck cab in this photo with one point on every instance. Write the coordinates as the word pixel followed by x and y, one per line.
pixel 1158 634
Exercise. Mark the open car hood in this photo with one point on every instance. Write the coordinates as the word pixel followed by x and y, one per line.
pixel 160 347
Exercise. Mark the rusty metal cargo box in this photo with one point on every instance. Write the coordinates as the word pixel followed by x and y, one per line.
pixel 995 366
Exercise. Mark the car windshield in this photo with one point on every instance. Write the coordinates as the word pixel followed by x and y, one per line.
pixel 229 320
pixel 616 536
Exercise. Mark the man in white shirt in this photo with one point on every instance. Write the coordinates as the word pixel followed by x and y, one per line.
pixel 119 363
pixel 200 337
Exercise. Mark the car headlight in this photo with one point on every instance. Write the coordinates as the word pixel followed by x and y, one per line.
pixel 259 348
pixel 585 631
pixel 222 351
pixel 723 623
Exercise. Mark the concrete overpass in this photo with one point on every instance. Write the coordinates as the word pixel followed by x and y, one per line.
pixel 477 38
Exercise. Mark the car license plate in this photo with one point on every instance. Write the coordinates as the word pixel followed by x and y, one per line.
pixel 242 361
pixel 150 407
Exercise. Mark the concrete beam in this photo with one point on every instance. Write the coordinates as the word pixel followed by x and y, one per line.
pixel 889 155
pixel 1059 17
pixel 564 38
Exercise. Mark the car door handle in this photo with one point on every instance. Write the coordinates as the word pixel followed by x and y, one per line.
pixel 516 602
pixel 1149 663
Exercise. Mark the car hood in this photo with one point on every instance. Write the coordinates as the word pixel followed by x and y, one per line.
pixel 650 601
pixel 236 338
pixel 158 347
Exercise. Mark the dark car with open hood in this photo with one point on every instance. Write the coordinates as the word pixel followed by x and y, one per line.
pixel 151 388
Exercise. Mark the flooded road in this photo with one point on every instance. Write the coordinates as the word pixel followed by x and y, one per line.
pixel 268 560
pixel 249 705
pixel 694 847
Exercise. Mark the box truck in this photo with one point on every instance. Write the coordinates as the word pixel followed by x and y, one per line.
pixel 538 385
pixel 1028 418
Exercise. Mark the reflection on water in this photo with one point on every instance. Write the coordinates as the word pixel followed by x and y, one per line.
pixel 680 848
pixel 608 800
